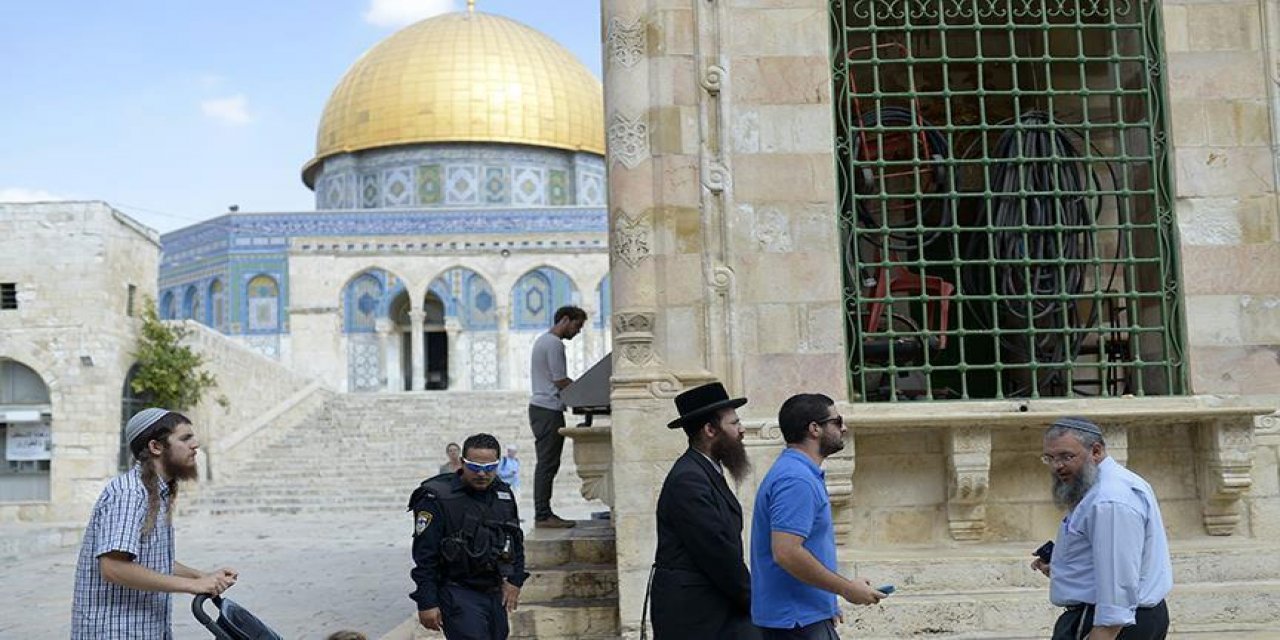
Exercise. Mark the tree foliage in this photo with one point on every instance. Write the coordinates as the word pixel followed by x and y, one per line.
pixel 168 371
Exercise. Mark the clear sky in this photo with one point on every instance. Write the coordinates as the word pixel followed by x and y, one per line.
pixel 171 110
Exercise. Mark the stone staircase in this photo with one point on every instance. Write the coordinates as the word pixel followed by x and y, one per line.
pixel 572 591
pixel 1224 588
pixel 369 451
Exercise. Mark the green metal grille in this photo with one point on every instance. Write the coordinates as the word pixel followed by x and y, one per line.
pixel 1005 201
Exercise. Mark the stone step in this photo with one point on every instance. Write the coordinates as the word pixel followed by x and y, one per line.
pixel 1008 566
pixel 544 553
pixel 1234 606
pixel 571 582
pixel 566 619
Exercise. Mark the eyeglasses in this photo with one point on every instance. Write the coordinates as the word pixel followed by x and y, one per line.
pixel 1059 461
pixel 478 467
pixel 838 420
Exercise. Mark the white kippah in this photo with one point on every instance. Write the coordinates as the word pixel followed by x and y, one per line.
pixel 141 421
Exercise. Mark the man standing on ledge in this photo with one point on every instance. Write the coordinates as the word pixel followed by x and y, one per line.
pixel 1110 566
pixel 547 375
pixel 793 538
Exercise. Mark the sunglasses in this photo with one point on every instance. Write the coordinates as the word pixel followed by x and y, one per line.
pixel 477 467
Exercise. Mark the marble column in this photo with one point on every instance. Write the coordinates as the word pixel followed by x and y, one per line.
pixel 418 350
pixel 504 347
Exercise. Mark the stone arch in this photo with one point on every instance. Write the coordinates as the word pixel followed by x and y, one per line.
pixel 367 297
pixel 468 297
pixel 604 300
pixel 131 402
pixel 192 303
pixel 26 430
pixel 538 293
pixel 167 310
pixel 216 314
pixel 262 304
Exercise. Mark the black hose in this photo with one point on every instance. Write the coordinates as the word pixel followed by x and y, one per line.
pixel 903 237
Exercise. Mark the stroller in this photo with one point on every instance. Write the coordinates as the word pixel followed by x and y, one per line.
pixel 234 622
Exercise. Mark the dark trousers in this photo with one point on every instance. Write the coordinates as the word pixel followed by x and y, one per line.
pixel 472 615
pixel 548 443
pixel 820 630
pixel 1150 623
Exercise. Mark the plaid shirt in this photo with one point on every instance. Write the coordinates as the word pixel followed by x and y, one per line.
pixel 105 611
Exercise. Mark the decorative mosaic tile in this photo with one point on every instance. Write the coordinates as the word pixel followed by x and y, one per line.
pixel 430 184
pixel 496 186
pixel 397 188
pixel 557 188
pixel 528 187
pixel 369 191
pixel 590 189
pixel 462 184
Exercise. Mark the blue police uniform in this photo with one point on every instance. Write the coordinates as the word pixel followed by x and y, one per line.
pixel 465 544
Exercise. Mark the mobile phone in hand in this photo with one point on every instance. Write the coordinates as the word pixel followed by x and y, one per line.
pixel 1045 552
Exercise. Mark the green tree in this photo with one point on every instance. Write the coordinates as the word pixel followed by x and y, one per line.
pixel 167 369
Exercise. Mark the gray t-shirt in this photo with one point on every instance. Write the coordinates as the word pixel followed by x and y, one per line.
pixel 545 367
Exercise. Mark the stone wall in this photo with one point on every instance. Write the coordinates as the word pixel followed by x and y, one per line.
pixel 726 266
pixel 74 264
pixel 318 278
pixel 250 386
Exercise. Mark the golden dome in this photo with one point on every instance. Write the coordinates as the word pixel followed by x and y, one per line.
pixel 463 77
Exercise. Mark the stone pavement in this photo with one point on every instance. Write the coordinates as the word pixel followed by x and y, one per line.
pixel 307 575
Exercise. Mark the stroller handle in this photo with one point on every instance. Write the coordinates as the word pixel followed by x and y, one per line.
pixel 197 607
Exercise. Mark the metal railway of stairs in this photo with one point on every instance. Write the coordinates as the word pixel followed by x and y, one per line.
pixel 1223 588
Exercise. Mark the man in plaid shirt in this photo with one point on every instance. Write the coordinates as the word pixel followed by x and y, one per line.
pixel 126 569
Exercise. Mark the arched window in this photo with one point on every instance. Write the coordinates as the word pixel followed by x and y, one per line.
pixel 367 298
pixel 604 297
pixel 25 434
pixel 468 297
pixel 263 296
pixel 167 310
pixel 537 295
pixel 217 315
pixel 191 304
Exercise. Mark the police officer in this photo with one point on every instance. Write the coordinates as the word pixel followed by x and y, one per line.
pixel 468 550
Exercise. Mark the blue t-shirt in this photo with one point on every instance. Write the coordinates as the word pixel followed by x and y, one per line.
pixel 792 499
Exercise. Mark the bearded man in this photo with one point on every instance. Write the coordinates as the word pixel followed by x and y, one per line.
pixel 1110 564
pixel 700 585
pixel 126 569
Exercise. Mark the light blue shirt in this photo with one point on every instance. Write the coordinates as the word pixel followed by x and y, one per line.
pixel 509 471
pixel 1111 549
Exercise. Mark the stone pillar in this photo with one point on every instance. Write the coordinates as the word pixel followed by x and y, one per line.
pixel 505 378
pixel 392 378
pixel 417 350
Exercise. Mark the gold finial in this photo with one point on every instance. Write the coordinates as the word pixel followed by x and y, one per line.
pixel 471 6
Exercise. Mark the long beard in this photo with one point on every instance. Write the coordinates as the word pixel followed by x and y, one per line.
pixel 731 453
pixel 1068 494
pixel 177 470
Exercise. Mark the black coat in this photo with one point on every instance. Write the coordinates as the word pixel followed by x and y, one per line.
pixel 701 587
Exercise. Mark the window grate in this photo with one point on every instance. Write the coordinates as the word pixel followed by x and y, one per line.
pixel 8 295
pixel 1005 201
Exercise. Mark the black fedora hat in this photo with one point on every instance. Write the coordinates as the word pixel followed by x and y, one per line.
pixel 698 402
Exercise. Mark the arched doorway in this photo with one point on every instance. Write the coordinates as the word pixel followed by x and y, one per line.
pixel 26 434
pixel 435 341
pixel 131 402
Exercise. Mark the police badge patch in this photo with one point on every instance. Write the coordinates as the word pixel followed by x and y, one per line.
pixel 421 522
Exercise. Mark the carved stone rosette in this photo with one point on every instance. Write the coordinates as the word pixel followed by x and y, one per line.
pixel 1225 462
pixel 633 338
pixel 968 475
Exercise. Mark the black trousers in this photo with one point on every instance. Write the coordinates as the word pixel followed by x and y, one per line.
pixel 1150 623
pixel 472 615
pixel 820 630
pixel 548 443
